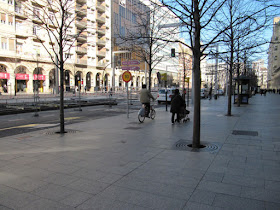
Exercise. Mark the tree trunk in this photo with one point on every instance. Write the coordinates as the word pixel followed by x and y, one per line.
pixel 196 72
pixel 61 68
pixel 231 61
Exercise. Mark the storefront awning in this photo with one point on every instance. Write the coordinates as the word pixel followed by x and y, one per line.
pixel 4 75
pixel 22 76
pixel 39 77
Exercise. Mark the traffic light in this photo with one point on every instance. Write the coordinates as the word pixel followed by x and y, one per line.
pixel 172 52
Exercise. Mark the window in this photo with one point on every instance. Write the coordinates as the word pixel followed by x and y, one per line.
pixel 36 30
pixel 122 11
pixel 10 2
pixel 51 17
pixel 19 47
pixel 275 57
pixel 11 44
pixel 133 18
pixel 276 38
pixel 10 20
pixel 4 43
pixel 3 18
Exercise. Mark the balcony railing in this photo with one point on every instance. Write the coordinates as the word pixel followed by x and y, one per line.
pixel 100 19
pixel 101 31
pixel 100 7
pixel 81 11
pixel 100 54
pixel 81 62
pixel 81 24
pixel 81 50
pixel 20 12
pixel 82 38
pixel 101 42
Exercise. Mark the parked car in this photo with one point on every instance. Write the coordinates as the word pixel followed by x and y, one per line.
pixel 220 92
pixel 204 93
pixel 161 95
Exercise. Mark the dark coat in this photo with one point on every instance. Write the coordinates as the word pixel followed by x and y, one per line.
pixel 177 102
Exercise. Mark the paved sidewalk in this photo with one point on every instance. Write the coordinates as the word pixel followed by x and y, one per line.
pixel 117 163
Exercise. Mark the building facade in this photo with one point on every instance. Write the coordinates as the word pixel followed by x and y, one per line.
pixel 273 75
pixel 134 23
pixel 261 73
pixel 26 64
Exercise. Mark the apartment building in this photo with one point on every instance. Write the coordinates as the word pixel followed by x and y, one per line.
pixel 273 75
pixel 261 73
pixel 134 21
pixel 26 47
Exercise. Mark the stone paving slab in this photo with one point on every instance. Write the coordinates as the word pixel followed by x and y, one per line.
pixel 118 163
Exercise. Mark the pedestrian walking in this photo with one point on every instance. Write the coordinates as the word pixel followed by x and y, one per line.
pixel 177 102
pixel 210 93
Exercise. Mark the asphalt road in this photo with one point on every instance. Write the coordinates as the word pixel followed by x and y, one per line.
pixel 27 122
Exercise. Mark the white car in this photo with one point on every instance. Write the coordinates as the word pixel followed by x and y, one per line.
pixel 161 95
pixel 204 93
pixel 220 92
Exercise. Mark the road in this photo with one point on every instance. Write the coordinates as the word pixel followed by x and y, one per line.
pixel 27 122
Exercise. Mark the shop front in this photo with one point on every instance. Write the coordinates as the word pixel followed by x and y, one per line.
pixel 4 76
pixel 38 80
pixel 21 82
pixel 4 82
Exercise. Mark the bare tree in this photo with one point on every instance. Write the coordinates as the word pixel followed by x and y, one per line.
pixel 53 26
pixel 196 17
pixel 144 36
pixel 199 21
pixel 245 22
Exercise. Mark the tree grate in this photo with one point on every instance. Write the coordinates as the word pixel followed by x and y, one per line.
pixel 211 147
pixel 132 128
pixel 245 133
pixel 57 132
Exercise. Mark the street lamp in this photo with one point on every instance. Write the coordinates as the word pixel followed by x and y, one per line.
pixel 114 65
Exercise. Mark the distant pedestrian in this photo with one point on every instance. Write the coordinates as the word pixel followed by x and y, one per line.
pixel 210 93
pixel 85 89
pixel 177 103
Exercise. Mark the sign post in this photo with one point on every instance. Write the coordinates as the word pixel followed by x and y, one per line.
pixel 126 76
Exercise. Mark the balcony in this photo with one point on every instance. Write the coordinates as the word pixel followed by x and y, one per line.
pixel 101 64
pixel 101 42
pixel 82 38
pixel 100 7
pixel 22 33
pixel 20 13
pixel 81 1
pixel 81 24
pixel 100 54
pixel 81 50
pixel 101 31
pixel 81 11
pixel 100 19
pixel 81 62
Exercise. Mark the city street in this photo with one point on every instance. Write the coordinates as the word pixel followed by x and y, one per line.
pixel 27 122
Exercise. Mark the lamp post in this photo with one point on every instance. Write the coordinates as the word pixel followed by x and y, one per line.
pixel 114 65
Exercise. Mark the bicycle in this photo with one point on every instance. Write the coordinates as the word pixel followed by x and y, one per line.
pixel 143 113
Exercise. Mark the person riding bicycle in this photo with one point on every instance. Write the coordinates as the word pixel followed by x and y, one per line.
pixel 145 97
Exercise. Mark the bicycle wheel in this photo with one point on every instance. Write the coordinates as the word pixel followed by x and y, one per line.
pixel 141 118
pixel 153 114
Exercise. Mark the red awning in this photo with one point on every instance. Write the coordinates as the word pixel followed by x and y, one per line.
pixel 39 76
pixel 22 76
pixel 4 75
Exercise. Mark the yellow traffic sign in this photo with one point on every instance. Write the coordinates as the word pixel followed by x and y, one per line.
pixel 126 76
